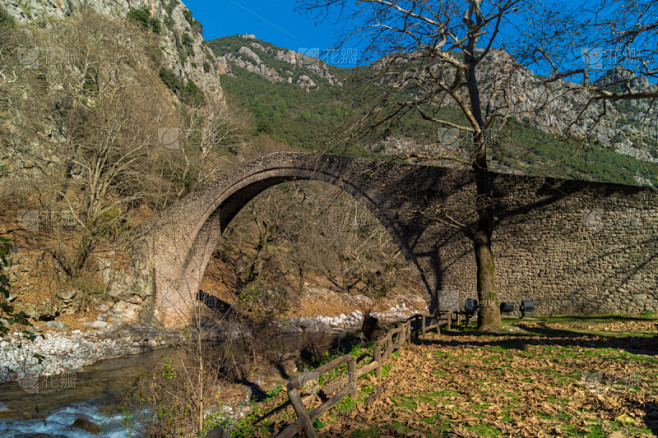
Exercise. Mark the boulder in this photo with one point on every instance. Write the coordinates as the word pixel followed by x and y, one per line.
pixel 11 414
pixel 370 328
pixel 95 324
pixel 125 311
pixel 57 325
pixel 67 298
pixel 102 307
pixel 44 310
pixel 67 295
pixel 217 432
pixel 87 425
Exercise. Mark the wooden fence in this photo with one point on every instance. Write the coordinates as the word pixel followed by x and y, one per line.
pixel 383 349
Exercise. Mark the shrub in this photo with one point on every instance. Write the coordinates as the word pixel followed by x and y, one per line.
pixel 171 80
pixel 188 93
pixel 5 18
pixel 196 26
pixel 187 40
pixel 170 5
pixel 143 17
pixel 169 22
pixel 188 16
pixel 155 25
pixel 182 54
pixel 193 95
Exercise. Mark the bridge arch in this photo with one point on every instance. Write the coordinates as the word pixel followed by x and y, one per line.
pixel 187 237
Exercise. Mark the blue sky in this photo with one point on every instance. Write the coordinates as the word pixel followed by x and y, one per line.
pixel 278 22
pixel 273 21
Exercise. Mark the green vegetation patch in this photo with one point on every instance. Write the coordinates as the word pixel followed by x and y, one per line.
pixel 143 17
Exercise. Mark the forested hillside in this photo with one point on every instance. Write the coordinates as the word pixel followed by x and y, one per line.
pixel 309 104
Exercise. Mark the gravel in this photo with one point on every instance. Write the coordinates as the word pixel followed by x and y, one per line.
pixel 55 353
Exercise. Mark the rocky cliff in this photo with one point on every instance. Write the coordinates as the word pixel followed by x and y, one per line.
pixel 181 40
pixel 276 64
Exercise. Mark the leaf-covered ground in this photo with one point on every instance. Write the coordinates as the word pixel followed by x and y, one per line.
pixel 535 379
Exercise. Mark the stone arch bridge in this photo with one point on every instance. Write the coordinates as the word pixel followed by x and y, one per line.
pixel 572 246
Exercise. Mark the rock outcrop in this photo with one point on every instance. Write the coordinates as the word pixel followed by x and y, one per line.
pixel 189 60
pixel 265 60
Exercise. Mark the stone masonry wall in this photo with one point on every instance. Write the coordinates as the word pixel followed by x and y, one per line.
pixel 571 247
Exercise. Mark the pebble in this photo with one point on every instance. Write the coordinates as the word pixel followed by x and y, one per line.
pixel 65 352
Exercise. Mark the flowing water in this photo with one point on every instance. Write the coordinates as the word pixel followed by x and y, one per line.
pixel 96 393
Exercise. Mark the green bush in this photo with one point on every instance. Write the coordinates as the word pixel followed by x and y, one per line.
pixel 143 17
pixel 188 93
pixel 188 16
pixel 169 22
pixel 187 40
pixel 156 26
pixel 171 80
pixel 170 5
pixel 192 95
pixel 196 26
pixel 5 18
pixel 182 54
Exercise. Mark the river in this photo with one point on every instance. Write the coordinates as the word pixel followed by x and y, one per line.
pixel 96 393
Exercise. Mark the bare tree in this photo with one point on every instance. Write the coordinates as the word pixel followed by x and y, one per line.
pixel 94 113
pixel 430 56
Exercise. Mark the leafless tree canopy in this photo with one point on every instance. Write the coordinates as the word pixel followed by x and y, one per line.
pixel 465 65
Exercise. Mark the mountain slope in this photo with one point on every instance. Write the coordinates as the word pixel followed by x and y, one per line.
pixel 301 100
pixel 292 97
pixel 182 47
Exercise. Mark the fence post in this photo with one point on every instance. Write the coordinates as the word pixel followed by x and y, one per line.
pixel 449 320
pixel 300 410
pixel 351 377
pixel 422 324
pixel 378 358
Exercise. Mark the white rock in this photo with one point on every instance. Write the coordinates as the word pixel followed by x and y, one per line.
pixel 125 311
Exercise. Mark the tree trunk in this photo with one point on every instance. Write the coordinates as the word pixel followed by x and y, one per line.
pixel 489 313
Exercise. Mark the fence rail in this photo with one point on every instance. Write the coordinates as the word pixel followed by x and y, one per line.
pixel 383 348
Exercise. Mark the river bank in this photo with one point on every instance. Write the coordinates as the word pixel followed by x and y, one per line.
pixel 57 350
